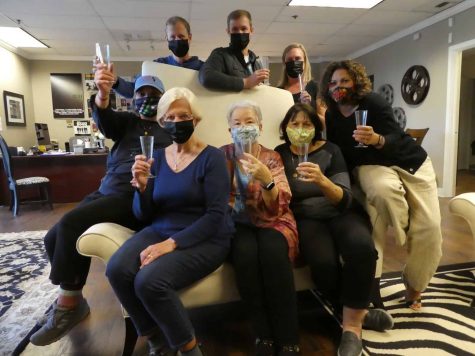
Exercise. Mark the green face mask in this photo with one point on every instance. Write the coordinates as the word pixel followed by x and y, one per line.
pixel 300 136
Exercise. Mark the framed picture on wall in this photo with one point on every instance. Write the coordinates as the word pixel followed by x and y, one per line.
pixel 14 109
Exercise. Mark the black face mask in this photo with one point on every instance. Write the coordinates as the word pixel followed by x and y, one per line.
pixel 180 131
pixel 179 47
pixel 239 41
pixel 294 68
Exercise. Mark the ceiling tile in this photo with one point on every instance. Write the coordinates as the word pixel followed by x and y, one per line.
pixel 302 28
pixel 221 11
pixel 378 31
pixel 135 23
pixel 60 22
pixel 141 9
pixel 70 34
pixel 399 18
pixel 319 14
pixel 46 7
pixel 402 5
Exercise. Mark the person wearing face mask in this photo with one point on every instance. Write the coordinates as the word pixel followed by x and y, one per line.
pixel 266 243
pixel 189 233
pixel 236 67
pixel 330 224
pixel 394 172
pixel 112 202
pixel 178 34
pixel 297 75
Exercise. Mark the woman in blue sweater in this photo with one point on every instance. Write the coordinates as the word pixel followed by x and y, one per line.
pixel 189 232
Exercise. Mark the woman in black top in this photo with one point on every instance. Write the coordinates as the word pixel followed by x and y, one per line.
pixel 393 171
pixel 330 225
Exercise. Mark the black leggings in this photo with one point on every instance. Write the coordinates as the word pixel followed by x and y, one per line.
pixel 68 268
pixel 323 242
pixel 265 281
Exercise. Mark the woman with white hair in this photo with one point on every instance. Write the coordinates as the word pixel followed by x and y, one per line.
pixel 265 243
pixel 189 233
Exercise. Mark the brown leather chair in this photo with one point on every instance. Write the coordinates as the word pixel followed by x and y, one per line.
pixel 417 134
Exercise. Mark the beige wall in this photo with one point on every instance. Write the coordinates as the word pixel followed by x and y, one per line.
pixel 15 77
pixel 41 86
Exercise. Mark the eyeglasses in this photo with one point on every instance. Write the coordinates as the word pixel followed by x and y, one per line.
pixel 178 117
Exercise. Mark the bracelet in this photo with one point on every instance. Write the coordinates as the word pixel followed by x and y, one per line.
pixel 379 140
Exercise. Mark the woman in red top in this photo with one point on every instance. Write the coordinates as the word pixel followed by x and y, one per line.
pixel 266 241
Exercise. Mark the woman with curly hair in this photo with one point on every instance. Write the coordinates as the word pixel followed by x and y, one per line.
pixel 393 171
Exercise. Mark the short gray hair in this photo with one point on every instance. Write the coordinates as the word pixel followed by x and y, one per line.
pixel 245 104
pixel 174 94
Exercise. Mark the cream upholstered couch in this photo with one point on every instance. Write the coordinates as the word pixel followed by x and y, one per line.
pixel 464 205
pixel 102 240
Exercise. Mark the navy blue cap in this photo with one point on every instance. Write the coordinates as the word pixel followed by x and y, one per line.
pixel 149 81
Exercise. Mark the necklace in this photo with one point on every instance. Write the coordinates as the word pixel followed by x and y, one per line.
pixel 178 161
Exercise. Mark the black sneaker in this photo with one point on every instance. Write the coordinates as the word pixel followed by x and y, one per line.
pixel 378 320
pixel 59 322
pixel 350 345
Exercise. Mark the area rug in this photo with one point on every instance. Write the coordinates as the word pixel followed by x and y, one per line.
pixel 444 326
pixel 25 290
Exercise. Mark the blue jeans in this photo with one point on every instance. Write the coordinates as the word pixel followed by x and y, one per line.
pixel 150 294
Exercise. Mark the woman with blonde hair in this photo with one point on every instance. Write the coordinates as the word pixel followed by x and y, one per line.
pixel 189 229
pixel 297 77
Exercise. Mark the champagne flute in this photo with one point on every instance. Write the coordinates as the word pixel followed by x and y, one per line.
pixel 146 142
pixel 245 146
pixel 302 151
pixel 361 116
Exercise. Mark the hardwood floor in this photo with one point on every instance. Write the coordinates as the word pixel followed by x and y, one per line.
pixel 222 329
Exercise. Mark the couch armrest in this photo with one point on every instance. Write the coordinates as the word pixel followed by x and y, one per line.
pixel 102 240
pixel 464 205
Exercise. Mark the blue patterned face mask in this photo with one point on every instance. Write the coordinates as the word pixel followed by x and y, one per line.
pixel 247 133
pixel 147 105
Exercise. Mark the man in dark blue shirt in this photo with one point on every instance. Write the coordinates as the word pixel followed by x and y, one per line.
pixel 112 202
pixel 178 34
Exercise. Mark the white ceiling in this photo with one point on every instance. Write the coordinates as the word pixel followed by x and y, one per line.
pixel 71 27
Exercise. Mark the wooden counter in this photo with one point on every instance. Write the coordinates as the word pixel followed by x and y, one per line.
pixel 72 176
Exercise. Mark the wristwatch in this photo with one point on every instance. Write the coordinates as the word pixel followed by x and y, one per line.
pixel 269 186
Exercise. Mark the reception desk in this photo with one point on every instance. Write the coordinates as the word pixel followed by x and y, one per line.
pixel 72 176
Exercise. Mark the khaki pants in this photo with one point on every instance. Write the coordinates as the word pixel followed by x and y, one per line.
pixel 408 203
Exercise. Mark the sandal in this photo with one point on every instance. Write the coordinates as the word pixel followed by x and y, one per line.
pixel 416 304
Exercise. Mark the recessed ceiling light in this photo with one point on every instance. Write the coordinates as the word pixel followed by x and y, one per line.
pixel 354 4
pixel 17 37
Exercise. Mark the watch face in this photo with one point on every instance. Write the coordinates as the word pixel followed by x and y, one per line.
pixel 270 185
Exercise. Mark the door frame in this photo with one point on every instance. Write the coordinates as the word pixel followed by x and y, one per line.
pixel 454 79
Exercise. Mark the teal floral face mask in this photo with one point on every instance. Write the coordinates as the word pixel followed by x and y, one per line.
pixel 300 136
pixel 245 133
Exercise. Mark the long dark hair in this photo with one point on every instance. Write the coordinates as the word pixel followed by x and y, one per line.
pixel 357 72
pixel 310 113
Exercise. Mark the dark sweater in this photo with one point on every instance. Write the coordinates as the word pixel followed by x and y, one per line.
pixel 125 129
pixel 190 206
pixel 225 68
pixel 312 89
pixel 308 200
pixel 399 150
pixel 126 88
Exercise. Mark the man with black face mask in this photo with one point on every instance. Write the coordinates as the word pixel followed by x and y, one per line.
pixel 234 68
pixel 178 34
pixel 112 202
